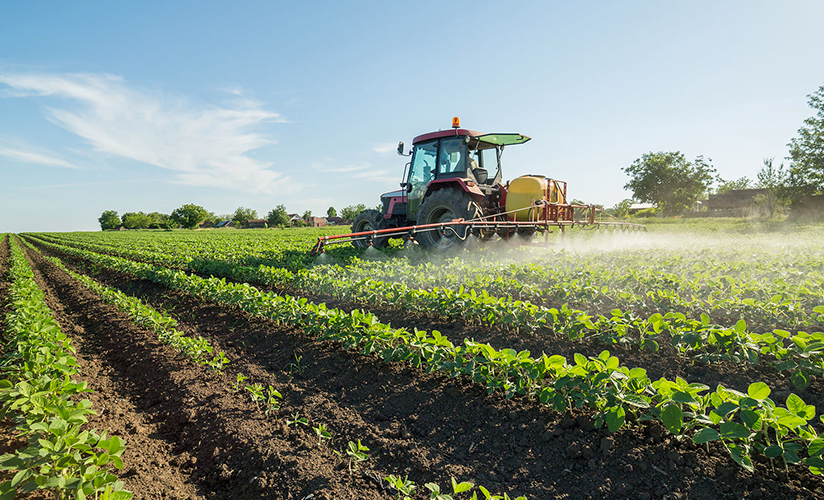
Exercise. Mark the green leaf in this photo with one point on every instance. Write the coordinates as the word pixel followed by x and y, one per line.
pixel 615 418
pixel 740 455
pixel 751 419
pixel 797 406
pixel 672 418
pixel 799 380
pixel 461 487
pixel 683 397
pixel 773 451
pixel 706 435
pixel 759 391
pixel 733 430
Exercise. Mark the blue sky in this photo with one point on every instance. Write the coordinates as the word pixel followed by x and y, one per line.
pixel 147 106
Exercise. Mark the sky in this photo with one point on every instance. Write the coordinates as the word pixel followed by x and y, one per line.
pixel 146 106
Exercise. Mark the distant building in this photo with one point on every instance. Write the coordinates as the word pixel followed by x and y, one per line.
pixel 206 224
pixel 257 224
pixel 637 207
pixel 335 221
pixel 316 221
pixel 225 223
pixel 736 203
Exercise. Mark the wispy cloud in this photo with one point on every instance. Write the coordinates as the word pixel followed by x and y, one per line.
pixel 386 147
pixel 205 145
pixel 48 158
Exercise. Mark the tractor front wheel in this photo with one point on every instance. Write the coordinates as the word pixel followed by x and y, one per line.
pixel 440 207
pixel 369 220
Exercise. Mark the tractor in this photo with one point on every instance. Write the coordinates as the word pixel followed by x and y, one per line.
pixel 448 194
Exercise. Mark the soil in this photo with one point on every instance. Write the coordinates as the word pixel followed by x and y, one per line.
pixel 190 436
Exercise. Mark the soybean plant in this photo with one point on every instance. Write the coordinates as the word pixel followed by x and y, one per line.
pixel 322 433
pixel 357 453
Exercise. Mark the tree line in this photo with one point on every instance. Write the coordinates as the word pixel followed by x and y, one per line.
pixel 190 216
pixel 674 184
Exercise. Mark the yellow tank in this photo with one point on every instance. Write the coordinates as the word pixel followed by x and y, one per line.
pixel 527 189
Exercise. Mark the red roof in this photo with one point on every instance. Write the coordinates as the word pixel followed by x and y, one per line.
pixel 446 133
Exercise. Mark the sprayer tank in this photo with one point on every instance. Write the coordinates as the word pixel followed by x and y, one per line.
pixel 526 190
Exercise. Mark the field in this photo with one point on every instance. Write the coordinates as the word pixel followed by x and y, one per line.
pixel 685 362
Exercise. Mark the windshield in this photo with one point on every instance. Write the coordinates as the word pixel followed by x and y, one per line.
pixel 452 156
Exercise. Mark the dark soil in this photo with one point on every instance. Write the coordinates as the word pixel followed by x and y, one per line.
pixel 190 436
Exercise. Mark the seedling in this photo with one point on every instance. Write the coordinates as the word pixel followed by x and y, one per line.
pixel 241 378
pixel 297 420
pixel 257 392
pixel 404 487
pixel 295 367
pixel 357 453
pixel 435 490
pixel 272 402
pixel 322 433
pixel 218 362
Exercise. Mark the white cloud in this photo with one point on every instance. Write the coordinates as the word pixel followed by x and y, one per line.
pixel 35 157
pixel 386 147
pixel 206 145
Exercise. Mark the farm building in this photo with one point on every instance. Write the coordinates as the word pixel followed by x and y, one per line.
pixel 637 207
pixel 316 221
pixel 735 203
pixel 257 224
pixel 225 223
pixel 335 221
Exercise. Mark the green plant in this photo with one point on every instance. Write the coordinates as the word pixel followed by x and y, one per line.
pixel 239 380
pixel 297 420
pixel 272 401
pixel 357 453
pixel 322 432
pixel 404 487
pixel 295 367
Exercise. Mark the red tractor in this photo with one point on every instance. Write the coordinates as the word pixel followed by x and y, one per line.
pixel 448 194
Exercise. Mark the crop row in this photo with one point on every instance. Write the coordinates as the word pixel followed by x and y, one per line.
pixel 767 285
pixel 267 401
pixel 799 353
pixel 36 396
pixel 197 349
pixel 744 423
pixel 765 302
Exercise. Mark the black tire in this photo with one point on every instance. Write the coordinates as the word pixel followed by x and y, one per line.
pixel 369 220
pixel 443 206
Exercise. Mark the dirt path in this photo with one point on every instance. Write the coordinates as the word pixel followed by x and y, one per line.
pixel 423 425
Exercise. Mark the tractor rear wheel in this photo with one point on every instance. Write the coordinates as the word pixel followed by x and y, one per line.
pixel 443 206
pixel 370 220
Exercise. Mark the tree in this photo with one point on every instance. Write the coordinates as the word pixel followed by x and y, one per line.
pixel 278 217
pixel 807 151
pixel 109 220
pixel 621 209
pixel 189 215
pixel 331 212
pixel 243 215
pixel 306 215
pixel 136 220
pixel 776 180
pixel 669 180
pixel 160 221
pixel 349 213
pixel 727 186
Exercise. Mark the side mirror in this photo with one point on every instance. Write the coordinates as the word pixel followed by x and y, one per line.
pixel 400 148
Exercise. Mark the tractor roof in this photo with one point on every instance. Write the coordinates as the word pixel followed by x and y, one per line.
pixel 494 139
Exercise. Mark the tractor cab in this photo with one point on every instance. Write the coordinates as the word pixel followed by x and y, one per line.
pixel 458 159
